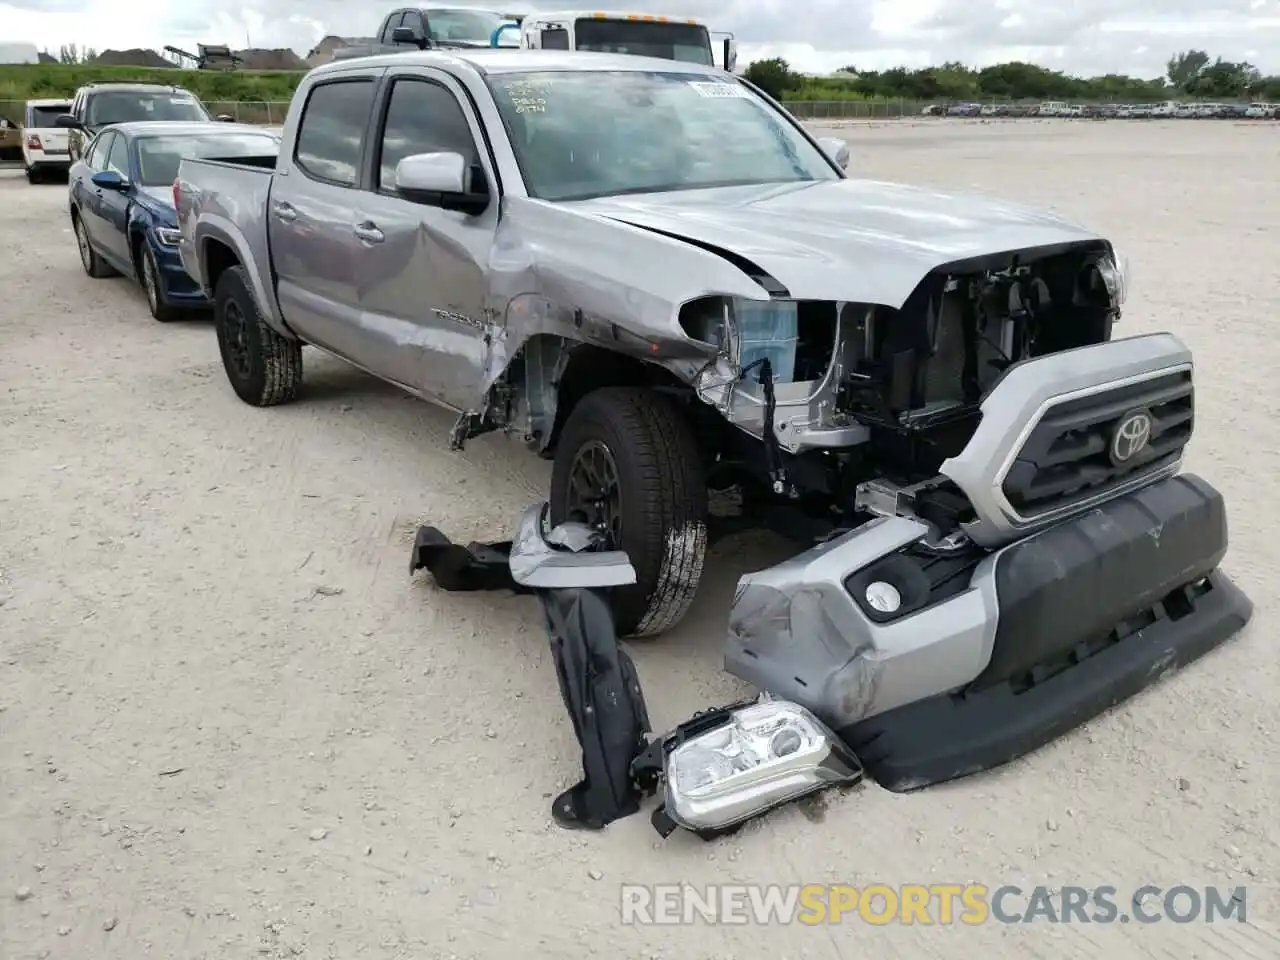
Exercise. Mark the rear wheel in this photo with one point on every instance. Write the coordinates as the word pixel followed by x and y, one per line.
pixel 93 264
pixel 265 369
pixel 33 175
pixel 628 463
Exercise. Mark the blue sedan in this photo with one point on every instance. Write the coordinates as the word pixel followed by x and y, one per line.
pixel 121 201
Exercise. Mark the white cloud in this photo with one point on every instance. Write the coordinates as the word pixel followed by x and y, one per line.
pixel 1081 36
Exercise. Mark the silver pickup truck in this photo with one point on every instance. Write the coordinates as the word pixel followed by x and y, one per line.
pixel 651 273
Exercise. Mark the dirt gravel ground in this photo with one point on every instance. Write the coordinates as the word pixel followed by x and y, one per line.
pixel 232 726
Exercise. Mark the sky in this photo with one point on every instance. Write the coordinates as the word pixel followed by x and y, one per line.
pixel 1085 37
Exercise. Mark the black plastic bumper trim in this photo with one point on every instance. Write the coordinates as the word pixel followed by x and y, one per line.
pixel 951 736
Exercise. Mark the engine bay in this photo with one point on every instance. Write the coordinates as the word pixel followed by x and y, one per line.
pixel 863 403
pixel 920 372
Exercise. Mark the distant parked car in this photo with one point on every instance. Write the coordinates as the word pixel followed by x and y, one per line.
pixel 1263 111
pixel 965 110
pixel 1161 111
pixel 122 207
pixel 44 145
pixel 932 110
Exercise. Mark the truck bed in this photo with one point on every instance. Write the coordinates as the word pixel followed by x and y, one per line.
pixel 226 201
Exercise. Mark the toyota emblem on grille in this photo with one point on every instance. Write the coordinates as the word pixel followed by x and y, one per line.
pixel 1132 435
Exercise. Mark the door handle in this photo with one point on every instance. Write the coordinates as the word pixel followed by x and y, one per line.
pixel 284 212
pixel 369 232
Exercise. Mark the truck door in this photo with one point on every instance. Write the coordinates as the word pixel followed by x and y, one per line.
pixel 311 216
pixel 423 287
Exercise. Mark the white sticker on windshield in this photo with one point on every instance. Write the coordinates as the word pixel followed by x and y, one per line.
pixel 733 91
pixel 182 100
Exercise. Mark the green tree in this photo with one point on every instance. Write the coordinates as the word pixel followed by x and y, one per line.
pixel 773 76
pixel 1184 68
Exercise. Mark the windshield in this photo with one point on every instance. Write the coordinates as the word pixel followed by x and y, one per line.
pixel 125 105
pixel 46 116
pixel 582 134
pixel 685 42
pixel 463 26
pixel 159 157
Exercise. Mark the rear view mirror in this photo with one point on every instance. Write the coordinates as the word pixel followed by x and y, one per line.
pixel 836 149
pixel 439 180
pixel 67 122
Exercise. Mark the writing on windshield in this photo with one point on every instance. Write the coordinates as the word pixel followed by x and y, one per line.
pixel 581 134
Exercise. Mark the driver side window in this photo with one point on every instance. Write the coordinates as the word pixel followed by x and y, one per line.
pixel 422 117
pixel 97 157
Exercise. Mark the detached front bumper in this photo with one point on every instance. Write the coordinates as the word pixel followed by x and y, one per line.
pixel 989 657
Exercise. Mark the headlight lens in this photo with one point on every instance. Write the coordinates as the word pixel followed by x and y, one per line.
pixel 168 236
pixel 1115 274
pixel 765 755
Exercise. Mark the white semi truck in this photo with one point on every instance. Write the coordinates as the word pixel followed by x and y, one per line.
pixel 644 34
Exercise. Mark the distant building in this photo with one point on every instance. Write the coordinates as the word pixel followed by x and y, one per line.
pixel 323 51
pixel 19 53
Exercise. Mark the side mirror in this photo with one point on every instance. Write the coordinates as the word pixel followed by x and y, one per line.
pixel 407 35
pixel 110 180
pixel 66 121
pixel 225 118
pixel 439 180
pixel 836 149
pixel 730 54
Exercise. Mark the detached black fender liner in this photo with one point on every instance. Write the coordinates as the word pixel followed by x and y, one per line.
pixel 1146 563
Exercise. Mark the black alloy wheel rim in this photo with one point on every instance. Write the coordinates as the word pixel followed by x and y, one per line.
pixel 235 326
pixel 595 490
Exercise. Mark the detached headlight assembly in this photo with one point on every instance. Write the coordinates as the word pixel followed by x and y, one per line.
pixel 168 236
pixel 727 766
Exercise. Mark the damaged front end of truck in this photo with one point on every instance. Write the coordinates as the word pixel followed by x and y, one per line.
pixel 997 543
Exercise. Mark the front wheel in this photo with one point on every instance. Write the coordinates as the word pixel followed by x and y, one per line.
pixel 628 463
pixel 154 289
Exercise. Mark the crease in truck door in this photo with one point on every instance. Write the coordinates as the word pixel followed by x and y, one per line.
pixel 311 218
pixel 422 277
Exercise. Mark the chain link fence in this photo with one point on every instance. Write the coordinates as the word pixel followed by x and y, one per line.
pixel 273 112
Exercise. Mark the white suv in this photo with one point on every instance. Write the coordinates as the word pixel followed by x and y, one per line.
pixel 44 145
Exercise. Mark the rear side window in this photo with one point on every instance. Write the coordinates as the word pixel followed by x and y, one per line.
pixel 555 38
pixel 331 131
pixel 422 117
pixel 393 21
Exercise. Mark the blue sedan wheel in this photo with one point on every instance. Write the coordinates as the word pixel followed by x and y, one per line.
pixel 93 264
pixel 151 286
